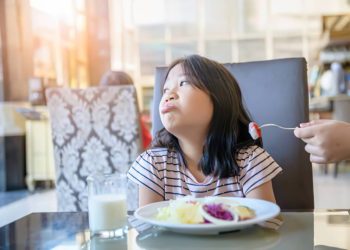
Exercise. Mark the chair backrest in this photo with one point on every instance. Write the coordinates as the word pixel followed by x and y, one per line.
pixel 93 130
pixel 274 91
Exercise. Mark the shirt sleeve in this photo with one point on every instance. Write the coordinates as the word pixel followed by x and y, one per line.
pixel 144 172
pixel 258 168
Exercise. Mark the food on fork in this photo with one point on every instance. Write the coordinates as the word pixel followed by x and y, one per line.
pixel 254 130
pixel 216 210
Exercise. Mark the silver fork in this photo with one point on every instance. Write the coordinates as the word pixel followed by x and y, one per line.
pixel 275 125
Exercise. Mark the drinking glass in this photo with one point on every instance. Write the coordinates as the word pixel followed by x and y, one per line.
pixel 107 204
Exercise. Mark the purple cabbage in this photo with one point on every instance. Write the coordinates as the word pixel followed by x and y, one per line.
pixel 217 211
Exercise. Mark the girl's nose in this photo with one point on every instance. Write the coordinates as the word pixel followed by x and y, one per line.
pixel 169 98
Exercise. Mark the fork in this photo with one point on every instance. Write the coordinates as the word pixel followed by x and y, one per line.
pixel 255 130
pixel 275 125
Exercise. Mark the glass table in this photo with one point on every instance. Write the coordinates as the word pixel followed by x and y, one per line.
pixel 319 229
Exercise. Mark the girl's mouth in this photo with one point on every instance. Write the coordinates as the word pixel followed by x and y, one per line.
pixel 165 108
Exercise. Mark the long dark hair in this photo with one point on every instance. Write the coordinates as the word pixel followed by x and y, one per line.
pixel 228 129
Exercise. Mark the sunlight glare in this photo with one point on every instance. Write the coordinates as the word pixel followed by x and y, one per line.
pixel 61 9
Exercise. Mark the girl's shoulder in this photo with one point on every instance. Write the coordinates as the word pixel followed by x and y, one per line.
pixel 249 150
pixel 160 155
pixel 159 152
pixel 246 153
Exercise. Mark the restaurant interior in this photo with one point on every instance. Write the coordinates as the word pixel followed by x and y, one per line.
pixel 291 59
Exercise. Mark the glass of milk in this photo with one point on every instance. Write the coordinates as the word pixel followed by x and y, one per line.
pixel 108 204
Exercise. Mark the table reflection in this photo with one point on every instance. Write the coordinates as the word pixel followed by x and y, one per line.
pixel 251 238
pixel 332 228
pixel 301 230
pixel 105 244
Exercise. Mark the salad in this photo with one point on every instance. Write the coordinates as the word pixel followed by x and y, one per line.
pixel 216 210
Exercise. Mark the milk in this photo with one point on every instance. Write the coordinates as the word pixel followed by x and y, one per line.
pixel 107 211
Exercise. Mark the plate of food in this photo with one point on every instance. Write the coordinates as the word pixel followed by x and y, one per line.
pixel 209 215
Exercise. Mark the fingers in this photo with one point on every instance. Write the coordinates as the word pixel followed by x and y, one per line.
pixel 317 159
pixel 309 133
pixel 310 140
pixel 313 150
pixel 317 154
pixel 305 124
pixel 313 122
pixel 306 132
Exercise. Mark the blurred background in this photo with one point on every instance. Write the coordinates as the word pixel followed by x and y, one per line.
pixel 72 43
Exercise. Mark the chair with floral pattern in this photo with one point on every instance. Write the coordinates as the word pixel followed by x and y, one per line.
pixel 94 130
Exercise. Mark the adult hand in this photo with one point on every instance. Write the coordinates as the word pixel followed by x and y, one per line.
pixel 327 141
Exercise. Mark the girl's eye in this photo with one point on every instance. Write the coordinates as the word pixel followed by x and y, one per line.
pixel 182 83
pixel 165 90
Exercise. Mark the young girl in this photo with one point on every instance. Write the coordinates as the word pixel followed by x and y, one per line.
pixel 204 148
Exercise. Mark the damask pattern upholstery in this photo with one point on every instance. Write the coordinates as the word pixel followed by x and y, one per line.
pixel 94 130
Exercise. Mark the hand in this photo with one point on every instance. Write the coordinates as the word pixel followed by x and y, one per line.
pixel 327 141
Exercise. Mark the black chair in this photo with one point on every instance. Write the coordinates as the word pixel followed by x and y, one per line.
pixel 274 91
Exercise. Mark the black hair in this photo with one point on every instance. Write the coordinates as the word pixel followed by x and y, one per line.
pixel 115 78
pixel 229 127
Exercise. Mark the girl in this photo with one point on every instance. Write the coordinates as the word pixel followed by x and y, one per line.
pixel 204 148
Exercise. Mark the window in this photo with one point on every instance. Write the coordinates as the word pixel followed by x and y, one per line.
pixel 224 30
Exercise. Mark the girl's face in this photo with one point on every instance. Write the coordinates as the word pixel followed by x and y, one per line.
pixel 184 108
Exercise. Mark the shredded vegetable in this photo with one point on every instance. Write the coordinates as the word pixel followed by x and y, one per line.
pixel 212 210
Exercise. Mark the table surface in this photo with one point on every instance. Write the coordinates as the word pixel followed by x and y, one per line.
pixel 319 229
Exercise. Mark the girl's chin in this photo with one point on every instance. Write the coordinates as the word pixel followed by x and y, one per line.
pixel 173 128
pixel 169 122
pixel 177 132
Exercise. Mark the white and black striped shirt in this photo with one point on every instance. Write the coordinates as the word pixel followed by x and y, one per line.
pixel 162 171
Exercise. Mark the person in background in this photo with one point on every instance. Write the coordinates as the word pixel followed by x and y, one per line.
pixel 327 141
pixel 116 78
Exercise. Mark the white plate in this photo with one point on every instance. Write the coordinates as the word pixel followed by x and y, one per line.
pixel 264 210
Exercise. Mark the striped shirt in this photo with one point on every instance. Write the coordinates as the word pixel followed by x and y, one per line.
pixel 162 171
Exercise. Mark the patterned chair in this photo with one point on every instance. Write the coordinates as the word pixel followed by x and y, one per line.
pixel 93 130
